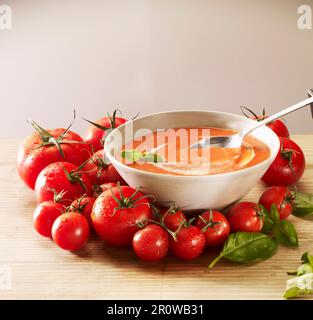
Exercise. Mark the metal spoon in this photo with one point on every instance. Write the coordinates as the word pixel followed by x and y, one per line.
pixel 235 141
pixel 310 94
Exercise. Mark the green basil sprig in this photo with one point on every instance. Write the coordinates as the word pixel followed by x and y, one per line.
pixel 135 155
pixel 302 284
pixel 285 234
pixel 296 292
pixel 282 231
pixel 302 204
pixel 131 155
pixel 269 219
pixel 306 265
pixel 247 247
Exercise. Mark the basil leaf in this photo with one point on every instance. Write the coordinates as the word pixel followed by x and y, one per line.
pixel 299 286
pixel 296 292
pixel 307 258
pixel 292 293
pixel 268 223
pixel 285 234
pixel 274 214
pixel 131 155
pixel 302 204
pixel 304 269
pixel 247 247
pixel 135 155
pixel 152 157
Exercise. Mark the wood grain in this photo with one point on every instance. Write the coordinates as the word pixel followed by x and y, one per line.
pixel 40 270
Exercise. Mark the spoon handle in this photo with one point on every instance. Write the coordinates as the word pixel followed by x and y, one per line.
pixel 277 115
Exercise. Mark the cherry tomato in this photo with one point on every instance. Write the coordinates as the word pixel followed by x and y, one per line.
pixel 97 190
pixel 98 130
pixel 288 166
pixel 214 226
pixel 118 214
pixel 47 146
pixel 281 197
pixel 246 217
pixel 278 126
pixel 62 176
pixel 70 231
pixel 44 216
pixel 172 217
pixel 189 244
pixel 151 243
pixel 83 205
pixel 99 171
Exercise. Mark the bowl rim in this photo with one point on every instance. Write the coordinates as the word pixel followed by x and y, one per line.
pixel 113 160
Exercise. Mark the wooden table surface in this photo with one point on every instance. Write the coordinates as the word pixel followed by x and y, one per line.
pixel 41 270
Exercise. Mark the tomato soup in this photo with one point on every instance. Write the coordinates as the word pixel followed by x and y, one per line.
pixel 168 152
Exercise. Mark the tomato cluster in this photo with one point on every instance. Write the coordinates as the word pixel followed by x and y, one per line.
pixel 67 172
pixel 289 164
pixel 79 192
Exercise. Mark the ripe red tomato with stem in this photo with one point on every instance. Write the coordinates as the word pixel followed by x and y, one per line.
pixel 62 176
pixel 100 171
pixel 96 133
pixel 288 166
pixel 46 213
pixel 214 226
pixel 97 190
pixel 189 242
pixel 47 146
pixel 172 217
pixel 151 243
pixel 119 213
pixel 70 231
pixel 278 126
pixel 246 217
pixel 83 205
pixel 281 197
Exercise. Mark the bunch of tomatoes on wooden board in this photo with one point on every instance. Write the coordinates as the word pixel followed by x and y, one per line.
pixel 78 192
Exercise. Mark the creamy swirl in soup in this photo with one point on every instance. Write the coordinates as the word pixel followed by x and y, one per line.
pixel 168 152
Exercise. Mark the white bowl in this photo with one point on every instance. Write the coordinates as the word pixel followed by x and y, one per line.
pixel 192 192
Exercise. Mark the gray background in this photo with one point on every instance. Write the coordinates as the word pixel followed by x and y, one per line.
pixel 151 56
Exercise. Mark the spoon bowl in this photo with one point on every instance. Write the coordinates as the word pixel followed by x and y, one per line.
pixel 236 140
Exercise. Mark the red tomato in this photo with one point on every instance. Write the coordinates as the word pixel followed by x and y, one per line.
pixel 70 231
pixel 278 126
pixel 118 213
pixel 99 171
pixel 288 166
pixel 96 133
pixel 84 205
pixel 44 216
pixel 62 176
pixel 172 218
pixel 47 146
pixel 246 217
pixel 281 197
pixel 151 243
pixel 214 226
pixel 190 243
pixel 97 190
